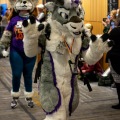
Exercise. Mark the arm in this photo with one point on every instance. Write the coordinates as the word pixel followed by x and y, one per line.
pixel 5 43
pixel 31 36
pixel 98 46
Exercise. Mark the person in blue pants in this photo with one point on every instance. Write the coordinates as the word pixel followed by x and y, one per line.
pixel 13 38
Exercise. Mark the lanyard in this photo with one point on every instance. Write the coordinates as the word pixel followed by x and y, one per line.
pixel 69 48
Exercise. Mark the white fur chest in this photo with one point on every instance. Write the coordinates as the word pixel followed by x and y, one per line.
pixel 59 34
pixel 56 38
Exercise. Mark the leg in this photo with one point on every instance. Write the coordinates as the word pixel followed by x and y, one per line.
pixel 67 101
pixel 118 93
pixel 27 73
pixel 17 67
pixel 116 78
pixel 60 114
pixel 71 96
pixel 63 111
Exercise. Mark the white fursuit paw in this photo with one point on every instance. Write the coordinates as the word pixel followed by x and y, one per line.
pixel 31 30
pixel 5 53
pixel 101 44
pixel 98 46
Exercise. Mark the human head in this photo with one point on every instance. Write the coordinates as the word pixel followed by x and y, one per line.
pixel 89 26
pixel 113 14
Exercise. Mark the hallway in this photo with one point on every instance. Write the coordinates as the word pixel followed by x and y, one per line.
pixel 95 105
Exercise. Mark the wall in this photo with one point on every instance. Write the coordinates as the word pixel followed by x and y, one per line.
pixel 5 2
pixel 95 11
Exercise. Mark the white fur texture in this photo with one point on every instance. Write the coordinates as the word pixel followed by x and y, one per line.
pixel 67 3
pixel 30 39
pixel 95 51
pixel 5 53
pixel 28 94
pixel 15 94
pixel 49 6
pixel 6 37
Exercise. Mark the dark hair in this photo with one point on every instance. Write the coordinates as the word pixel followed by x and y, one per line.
pixel 0 18
pixel 12 14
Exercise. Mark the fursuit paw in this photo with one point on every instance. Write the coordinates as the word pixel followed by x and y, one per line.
pixel 101 44
pixel 32 26
pixel 31 29
pixel 105 37
pixel 5 53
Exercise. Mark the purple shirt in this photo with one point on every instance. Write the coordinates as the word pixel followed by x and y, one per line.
pixel 15 26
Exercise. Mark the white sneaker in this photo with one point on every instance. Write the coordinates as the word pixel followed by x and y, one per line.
pixel 14 102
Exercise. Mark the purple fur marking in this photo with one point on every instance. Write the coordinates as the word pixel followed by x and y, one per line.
pixel 75 1
pixel 55 83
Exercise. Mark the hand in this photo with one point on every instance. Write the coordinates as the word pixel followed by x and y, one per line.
pixel 5 53
pixel 104 23
pixel 31 27
pixel 102 43
pixel 31 30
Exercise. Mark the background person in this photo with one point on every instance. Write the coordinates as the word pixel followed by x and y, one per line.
pixel 113 58
pixel 41 13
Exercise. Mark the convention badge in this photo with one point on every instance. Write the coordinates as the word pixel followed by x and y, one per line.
pixel 61 48
pixel 19 24
pixel 18 30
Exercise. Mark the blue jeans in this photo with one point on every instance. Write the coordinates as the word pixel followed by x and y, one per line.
pixel 21 64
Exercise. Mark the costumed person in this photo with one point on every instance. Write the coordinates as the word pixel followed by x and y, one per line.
pixel 113 58
pixel 61 48
pixel 20 63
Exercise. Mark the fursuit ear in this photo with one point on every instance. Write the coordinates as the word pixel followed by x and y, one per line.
pixel 50 6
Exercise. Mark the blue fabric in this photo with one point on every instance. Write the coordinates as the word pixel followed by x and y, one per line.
pixel 21 64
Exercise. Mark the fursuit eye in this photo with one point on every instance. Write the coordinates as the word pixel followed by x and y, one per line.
pixel 79 11
pixel 64 15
